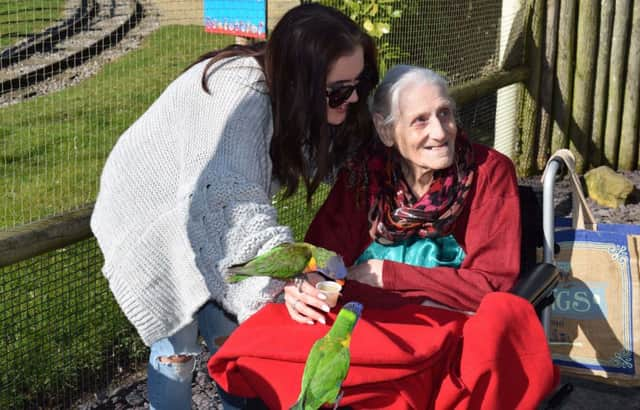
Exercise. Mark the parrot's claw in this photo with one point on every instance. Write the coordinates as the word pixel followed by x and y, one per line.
pixel 337 402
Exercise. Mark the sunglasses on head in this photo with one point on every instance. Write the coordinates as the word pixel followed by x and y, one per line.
pixel 339 94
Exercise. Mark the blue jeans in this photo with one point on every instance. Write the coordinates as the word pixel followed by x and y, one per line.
pixel 169 384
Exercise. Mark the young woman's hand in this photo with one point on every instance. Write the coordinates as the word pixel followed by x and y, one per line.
pixel 304 302
pixel 369 272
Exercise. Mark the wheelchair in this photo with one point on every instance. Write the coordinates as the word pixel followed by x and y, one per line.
pixel 537 280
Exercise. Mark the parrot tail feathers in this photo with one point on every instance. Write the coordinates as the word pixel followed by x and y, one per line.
pixel 299 405
pixel 237 273
pixel 237 277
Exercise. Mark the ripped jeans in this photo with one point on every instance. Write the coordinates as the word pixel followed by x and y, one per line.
pixel 169 384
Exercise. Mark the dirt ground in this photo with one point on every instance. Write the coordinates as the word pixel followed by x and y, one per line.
pixel 625 214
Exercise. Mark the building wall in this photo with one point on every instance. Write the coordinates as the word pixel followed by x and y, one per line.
pixel 276 8
pixel 191 11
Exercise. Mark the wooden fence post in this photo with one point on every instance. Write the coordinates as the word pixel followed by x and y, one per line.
pixel 583 81
pixel 547 78
pixel 616 82
pixel 564 76
pixel 628 154
pixel 528 115
pixel 596 157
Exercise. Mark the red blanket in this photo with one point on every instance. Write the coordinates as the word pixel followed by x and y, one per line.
pixel 402 357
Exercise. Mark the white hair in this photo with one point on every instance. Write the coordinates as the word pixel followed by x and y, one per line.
pixel 386 98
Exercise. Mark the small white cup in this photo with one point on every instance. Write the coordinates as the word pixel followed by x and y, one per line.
pixel 331 290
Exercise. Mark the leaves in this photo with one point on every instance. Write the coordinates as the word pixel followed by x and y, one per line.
pixel 376 17
pixel 376 29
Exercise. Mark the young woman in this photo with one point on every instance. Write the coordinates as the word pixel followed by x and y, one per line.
pixel 186 191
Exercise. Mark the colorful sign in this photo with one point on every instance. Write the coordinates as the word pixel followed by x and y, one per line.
pixel 245 18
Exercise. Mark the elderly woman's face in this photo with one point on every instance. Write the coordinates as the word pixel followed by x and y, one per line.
pixel 425 129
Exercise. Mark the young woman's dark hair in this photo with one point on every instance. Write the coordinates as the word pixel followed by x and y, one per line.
pixel 296 60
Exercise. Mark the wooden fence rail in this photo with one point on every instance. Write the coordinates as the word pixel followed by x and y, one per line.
pixel 29 240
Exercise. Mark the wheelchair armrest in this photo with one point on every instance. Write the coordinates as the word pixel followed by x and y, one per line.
pixel 536 284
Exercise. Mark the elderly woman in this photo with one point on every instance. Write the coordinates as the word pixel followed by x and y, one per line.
pixel 425 217
pixel 426 213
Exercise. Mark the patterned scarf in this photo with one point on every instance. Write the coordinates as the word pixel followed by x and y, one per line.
pixel 395 214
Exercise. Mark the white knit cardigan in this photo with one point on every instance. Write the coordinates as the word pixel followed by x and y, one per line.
pixel 184 194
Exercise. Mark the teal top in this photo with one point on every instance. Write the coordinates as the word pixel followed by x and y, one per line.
pixel 423 252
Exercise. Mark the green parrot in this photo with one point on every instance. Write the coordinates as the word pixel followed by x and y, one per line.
pixel 288 260
pixel 328 362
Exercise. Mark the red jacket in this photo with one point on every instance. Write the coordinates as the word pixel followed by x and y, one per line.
pixel 488 230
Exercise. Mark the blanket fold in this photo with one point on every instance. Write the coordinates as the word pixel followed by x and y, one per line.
pixel 402 357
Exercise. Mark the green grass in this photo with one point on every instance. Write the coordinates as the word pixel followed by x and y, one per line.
pixel 60 328
pixel 61 332
pixel 295 212
pixel 53 147
pixel 21 18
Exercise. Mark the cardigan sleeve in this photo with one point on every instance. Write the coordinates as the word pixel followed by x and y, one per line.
pixel 231 218
pixel 488 231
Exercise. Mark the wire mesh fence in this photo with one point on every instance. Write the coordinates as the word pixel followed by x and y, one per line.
pixel 75 74
pixel 58 127
pixel 62 333
pixel 463 41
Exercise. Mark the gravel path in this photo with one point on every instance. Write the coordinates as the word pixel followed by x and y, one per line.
pixel 76 74
pixel 625 214
pixel 133 395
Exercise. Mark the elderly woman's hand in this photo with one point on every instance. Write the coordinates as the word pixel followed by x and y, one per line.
pixel 304 302
pixel 369 272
